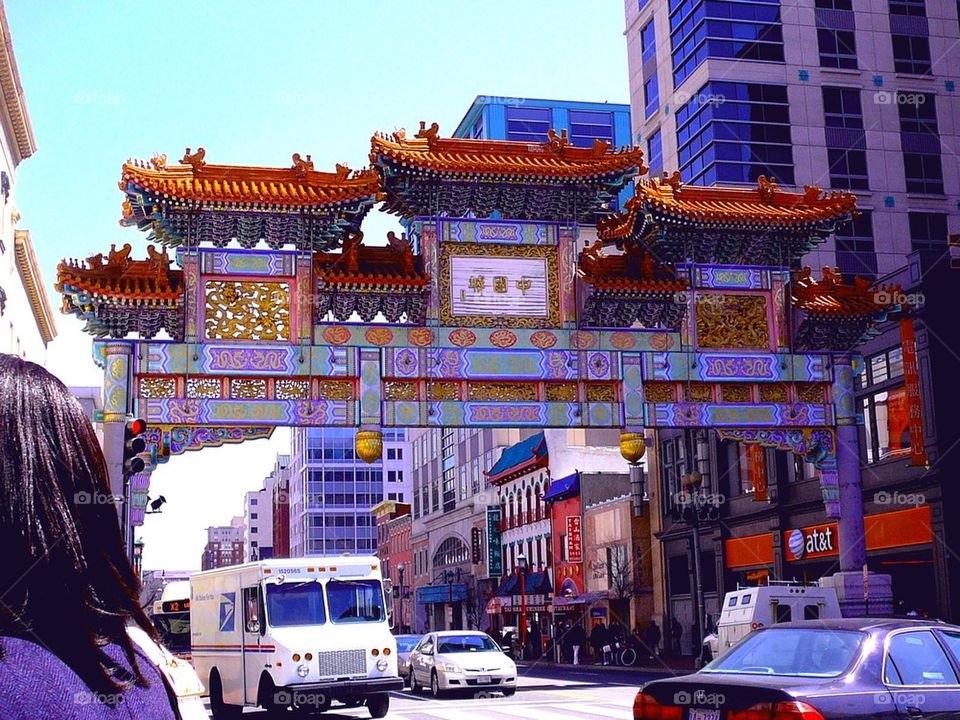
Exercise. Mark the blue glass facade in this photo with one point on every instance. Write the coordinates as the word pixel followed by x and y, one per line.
pixel 736 29
pixel 735 132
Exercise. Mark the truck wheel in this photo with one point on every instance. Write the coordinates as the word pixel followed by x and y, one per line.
pixel 218 708
pixel 378 705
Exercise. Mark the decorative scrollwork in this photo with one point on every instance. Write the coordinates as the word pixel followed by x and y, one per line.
pixel 247 310
pixel 730 322
pixel 503 392
pixel 561 392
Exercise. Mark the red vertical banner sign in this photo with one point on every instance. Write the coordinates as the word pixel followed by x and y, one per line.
pixel 758 472
pixel 911 379
pixel 574 542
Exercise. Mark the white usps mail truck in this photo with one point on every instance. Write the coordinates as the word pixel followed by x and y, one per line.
pixel 301 633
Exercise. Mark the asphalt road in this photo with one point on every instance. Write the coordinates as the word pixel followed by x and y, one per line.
pixel 544 693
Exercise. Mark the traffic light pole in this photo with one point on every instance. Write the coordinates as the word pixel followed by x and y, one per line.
pixel 116 406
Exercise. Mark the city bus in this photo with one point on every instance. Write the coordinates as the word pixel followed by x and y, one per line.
pixel 171 617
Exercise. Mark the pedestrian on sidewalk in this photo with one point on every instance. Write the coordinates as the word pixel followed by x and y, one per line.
pixel 535 640
pixel 72 632
pixel 676 631
pixel 653 638
pixel 578 638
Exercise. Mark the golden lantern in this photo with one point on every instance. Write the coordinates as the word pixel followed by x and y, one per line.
pixel 369 444
pixel 632 446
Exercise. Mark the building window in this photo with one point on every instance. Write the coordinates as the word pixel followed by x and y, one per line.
pixel 835 4
pixel 527 124
pixel 477 131
pixel 253 516
pixel 587 126
pixel 838 48
pixel 856 252
pixel 648 41
pixel 253 501
pixel 886 424
pixel 928 231
pixel 651 96
pixel 920 141
pixel 734 133
pixel 842 108
pixel 911 54
pixel 914 8
pixel 655 153
pixel 451 551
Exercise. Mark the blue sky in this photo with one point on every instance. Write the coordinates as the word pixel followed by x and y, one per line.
pixel 253 83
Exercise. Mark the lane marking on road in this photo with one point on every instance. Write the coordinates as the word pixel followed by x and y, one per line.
pixel 583 709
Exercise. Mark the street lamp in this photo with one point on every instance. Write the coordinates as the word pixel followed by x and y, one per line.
pixel 522 567
pixel 696 507
pixel 137 555
pixel 400 568
pixel 449 577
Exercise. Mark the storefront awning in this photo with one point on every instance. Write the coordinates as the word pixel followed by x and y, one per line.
pixel 563 488
pixel 439 594
pixel 509 586
pixel 585 599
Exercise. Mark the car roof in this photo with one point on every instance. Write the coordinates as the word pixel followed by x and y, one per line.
pixel 458 633
pixel 866 624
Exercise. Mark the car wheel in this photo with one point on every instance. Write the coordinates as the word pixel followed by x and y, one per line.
pixel 218 708
pixel 378 705
pixel 509 692
pixel 435 684
pixel 415 687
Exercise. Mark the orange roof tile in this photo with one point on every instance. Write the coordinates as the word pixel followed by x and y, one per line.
pixel 832 297
pixel 635 270
pixel 393 264
pixel 147 282
pixel 552 159
pixel 765 205
pixel 298 185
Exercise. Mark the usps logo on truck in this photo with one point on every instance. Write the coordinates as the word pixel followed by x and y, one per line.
pixel 228 606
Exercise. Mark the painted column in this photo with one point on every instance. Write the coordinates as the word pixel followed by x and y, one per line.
pixel 853 549
pixel 116 404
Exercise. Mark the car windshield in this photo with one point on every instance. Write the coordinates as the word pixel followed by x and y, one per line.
pixel 466 643
pixel 406 643
pixel 297 603
pixel 174 631
pixel 801 652
pixel 354 601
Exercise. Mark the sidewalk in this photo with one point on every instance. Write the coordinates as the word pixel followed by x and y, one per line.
pixel 675 665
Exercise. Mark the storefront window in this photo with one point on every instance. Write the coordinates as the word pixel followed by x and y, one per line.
pixel 886 424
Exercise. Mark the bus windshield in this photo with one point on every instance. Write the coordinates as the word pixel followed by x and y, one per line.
pixel 354 601
pixel 295 603
pixel 174 631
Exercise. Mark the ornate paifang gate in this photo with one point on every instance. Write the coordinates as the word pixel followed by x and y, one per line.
pixel 497 312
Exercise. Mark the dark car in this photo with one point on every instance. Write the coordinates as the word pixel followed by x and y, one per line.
pixel 815 670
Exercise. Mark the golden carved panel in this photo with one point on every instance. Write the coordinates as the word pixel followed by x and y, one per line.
pixel 735 393
pixel 561 392
pixel 659 393
pixel 810 392
pixel 698 392
pixel 601 392
pixel 158 388
pixel 248 388
pixel 505 293
pixel 503 392
pixel 203 388
pixel 729 321
pixel 400 390
pixel 443 391
pixel 247 310
pixel 336 390
pixel 293 390
pixel 774 393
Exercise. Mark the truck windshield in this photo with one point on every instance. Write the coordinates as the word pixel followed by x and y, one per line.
pixel 354 601
pixel 174 631
pixel 298 603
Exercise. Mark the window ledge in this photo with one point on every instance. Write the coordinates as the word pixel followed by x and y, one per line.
pixel 841 71
pixel 929 79
pixel 938 197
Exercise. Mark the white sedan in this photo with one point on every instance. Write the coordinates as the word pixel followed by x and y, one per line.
pixel 461 660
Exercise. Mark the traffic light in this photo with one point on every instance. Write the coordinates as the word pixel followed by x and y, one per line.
pixel 133 445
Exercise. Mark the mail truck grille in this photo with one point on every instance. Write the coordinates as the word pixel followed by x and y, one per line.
pixel 340 663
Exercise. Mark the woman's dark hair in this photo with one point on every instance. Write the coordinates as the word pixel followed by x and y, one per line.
pixel 65 582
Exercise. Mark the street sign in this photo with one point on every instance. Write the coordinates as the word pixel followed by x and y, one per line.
pixel 494 551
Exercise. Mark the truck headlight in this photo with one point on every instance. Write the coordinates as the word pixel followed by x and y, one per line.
pixel 303 670
pixel 382 664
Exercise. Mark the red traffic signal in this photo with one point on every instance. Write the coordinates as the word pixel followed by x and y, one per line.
pixel 133 445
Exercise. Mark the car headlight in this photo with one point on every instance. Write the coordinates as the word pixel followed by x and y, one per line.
pixel 449 667
pixel 303 670
pixel 382 664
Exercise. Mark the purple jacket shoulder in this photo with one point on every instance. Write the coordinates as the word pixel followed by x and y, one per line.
pixel 35 684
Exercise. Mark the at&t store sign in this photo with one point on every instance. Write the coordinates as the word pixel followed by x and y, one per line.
pixel 811 542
